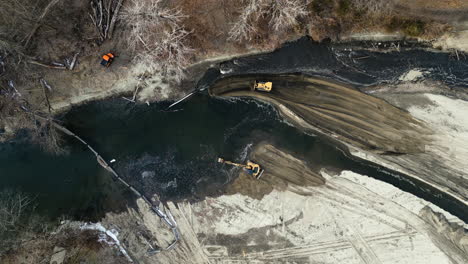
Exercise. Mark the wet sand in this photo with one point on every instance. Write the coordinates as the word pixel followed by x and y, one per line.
pixel 338 110
pixel 281 170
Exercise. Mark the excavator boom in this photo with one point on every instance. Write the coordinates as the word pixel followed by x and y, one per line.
pixel 251 167
pixel 220 160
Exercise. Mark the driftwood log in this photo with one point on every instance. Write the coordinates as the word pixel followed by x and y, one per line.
pixel 46 88
pixel 50 66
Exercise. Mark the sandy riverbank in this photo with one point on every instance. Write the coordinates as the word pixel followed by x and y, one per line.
pixel 348 218
pixel 371 128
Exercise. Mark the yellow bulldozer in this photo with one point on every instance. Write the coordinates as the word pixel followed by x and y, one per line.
pixel 262 86
pixel 251 167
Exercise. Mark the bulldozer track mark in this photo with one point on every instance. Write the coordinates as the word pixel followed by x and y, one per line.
pixel 336 201
pixel 391 209
pixel 355 239
pixel 317 248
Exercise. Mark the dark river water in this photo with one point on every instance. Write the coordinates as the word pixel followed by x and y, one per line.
pixel 173 153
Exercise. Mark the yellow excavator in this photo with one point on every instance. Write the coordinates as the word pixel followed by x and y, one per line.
pixel 252 168
pixel 262 86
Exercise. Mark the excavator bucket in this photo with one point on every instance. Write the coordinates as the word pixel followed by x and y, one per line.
pixel 260 174
pixel 220 160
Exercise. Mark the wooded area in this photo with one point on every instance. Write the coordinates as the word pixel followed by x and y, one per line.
pixel 42 41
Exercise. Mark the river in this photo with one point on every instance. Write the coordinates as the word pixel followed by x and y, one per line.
pixel 173 153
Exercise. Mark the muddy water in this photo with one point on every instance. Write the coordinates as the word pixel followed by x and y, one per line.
pixel 361 63
pixel 173 153
pixel 334 108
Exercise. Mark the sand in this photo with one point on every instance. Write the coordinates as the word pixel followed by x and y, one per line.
pixel 334 109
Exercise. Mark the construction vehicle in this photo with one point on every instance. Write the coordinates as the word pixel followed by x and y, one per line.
pixel 107 59
pixel 251 167
pixel 262 86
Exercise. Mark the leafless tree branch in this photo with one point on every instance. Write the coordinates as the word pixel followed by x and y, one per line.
pixel 104 16
pixel 284 13
pixel 15 112
pixel 281 14
pixel 12 208
pixel 244 28
pixel 39 21
pixel 157 36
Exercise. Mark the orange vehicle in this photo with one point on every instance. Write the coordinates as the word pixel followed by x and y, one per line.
pixel 107 59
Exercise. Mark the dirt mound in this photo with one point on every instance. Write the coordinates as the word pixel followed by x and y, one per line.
pixel 281 170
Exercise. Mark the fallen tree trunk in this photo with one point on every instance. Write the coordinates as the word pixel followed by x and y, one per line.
pixel 45 88
pixel 47 65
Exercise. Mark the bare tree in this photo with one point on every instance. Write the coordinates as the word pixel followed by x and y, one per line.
pixel 104 16
pixel 47 136
pixel 15 21
pixel 285 13
pixel 281 15
pixel 38 22
pixel 18 221
pixel 8 47
pixel 17 17
pixel 13 207
pixel 244 28
pixel 19 22
pixel 157 36
pixel 10 112
pixel 15 112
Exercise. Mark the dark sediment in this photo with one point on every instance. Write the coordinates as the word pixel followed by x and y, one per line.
pixel 336 109
pixel 281 170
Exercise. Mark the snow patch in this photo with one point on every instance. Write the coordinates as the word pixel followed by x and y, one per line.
pixel 105 234
pixel 448 118
pixel 225 71
pixel 412 75
pixel 457 40
pixel 241 213
pixel 392 193
pixel 349 219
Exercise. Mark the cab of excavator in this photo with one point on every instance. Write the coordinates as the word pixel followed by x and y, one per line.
pixel 254 170
pixel 263 86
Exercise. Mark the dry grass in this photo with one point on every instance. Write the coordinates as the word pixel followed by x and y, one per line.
pixel 81 247
pixel 18 222
pixel 374 7
pixel 434 4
